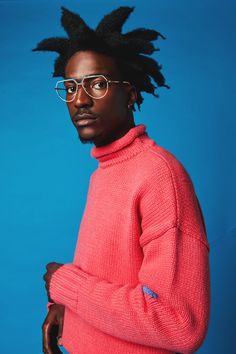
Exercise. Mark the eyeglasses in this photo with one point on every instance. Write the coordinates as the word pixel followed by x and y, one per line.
pixel 96 86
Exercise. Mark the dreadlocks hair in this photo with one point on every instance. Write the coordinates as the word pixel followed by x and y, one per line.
pixel 129 50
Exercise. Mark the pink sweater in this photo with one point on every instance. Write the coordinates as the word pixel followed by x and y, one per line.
pixel 140 280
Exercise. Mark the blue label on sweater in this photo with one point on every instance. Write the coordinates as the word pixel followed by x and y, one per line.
pixel 149 292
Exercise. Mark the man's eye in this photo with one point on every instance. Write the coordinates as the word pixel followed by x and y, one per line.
pixel 99 85
pixel 71 89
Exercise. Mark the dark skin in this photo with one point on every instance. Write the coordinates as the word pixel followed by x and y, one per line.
pixel 112 118
pixel 53 324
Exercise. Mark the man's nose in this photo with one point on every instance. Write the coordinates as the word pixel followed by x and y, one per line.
pixel 82 99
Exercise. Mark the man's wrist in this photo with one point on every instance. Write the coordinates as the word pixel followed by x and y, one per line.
pixel 49 304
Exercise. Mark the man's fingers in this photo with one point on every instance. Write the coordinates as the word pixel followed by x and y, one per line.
pixel 53 340
pixel 60 330
pixel 46 338
pixel 52 330
pixel 61 321
pixel 50 340
pixel 50 333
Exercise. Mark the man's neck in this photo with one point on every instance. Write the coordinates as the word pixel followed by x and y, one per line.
pixel 117 134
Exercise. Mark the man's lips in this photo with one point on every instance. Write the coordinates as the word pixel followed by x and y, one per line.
pixel 80 116
pixel 84 119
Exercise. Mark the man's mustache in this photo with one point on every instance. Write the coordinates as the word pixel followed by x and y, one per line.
pixel 84 112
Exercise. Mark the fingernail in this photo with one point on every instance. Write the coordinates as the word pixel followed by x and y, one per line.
pixel 59 341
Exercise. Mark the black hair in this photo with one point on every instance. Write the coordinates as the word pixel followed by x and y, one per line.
pixel 129 50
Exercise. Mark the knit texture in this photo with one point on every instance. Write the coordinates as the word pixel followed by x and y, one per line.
pixel 140 280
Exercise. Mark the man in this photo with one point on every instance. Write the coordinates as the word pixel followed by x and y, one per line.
pixel 139 282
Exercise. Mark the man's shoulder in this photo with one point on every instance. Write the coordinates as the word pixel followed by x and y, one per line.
pixel 158 160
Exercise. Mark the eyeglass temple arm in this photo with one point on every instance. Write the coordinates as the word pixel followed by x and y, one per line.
pixel 118 82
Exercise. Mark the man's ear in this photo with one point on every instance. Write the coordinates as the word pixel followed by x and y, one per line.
pixel 132 96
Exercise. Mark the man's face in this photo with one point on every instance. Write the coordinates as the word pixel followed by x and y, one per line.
pixel 110 116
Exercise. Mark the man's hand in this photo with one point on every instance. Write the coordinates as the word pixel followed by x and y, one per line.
pixel 52 329
pixel 51 268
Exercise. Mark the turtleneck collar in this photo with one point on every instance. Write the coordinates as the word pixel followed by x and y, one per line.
pixel 129 145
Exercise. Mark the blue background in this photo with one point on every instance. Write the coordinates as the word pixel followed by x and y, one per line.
pixel 45 169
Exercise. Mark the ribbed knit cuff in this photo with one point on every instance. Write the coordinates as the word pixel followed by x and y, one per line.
pixel 64 285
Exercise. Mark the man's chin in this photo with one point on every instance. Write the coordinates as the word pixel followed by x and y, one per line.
pixel 85 141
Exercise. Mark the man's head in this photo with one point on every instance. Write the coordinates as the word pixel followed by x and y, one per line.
pixel 98 120
pixel 119 56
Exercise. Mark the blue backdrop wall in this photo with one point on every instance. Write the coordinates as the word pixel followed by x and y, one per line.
pixel 45 169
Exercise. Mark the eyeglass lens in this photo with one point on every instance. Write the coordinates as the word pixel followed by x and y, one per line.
pixel 95 87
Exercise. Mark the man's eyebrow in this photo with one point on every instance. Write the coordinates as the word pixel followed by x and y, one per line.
pixel 73 78
pixel 81 78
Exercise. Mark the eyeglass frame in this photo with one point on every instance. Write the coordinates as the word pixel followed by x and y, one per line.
pixel 81 84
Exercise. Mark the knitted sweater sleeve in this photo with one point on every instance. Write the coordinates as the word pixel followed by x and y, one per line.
pixel 169 306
